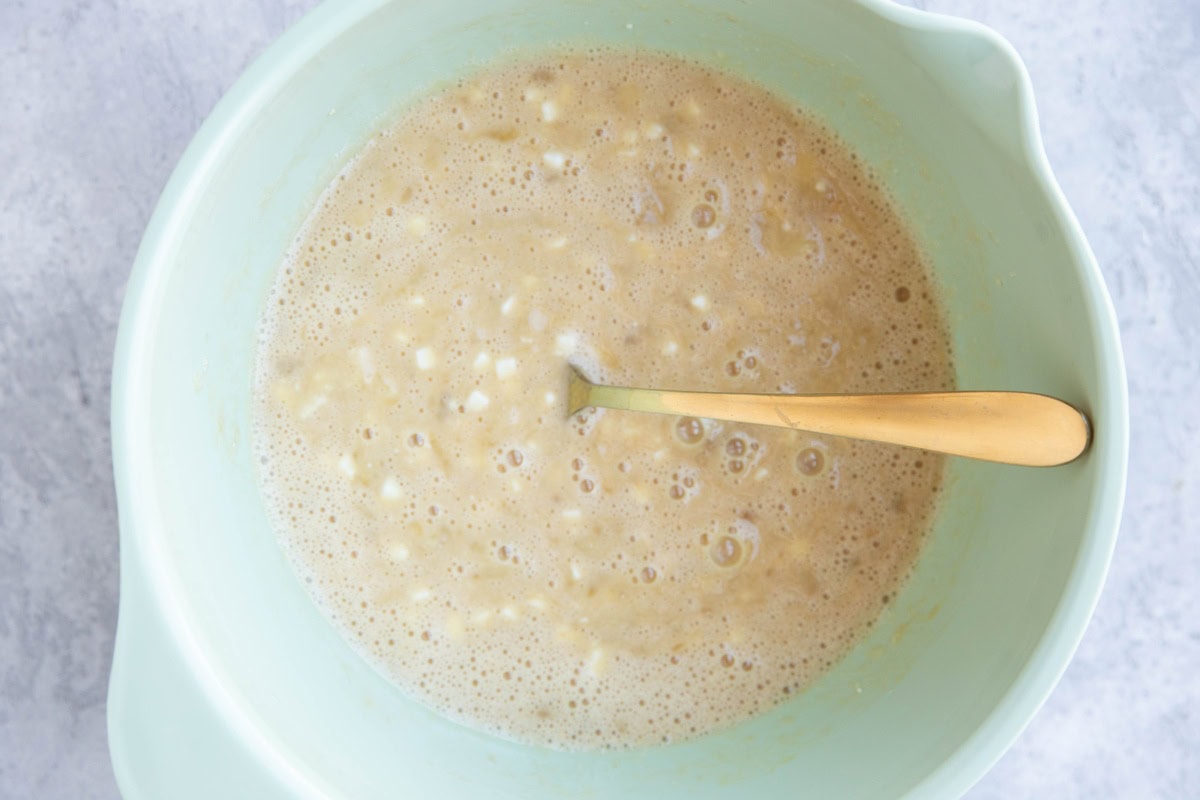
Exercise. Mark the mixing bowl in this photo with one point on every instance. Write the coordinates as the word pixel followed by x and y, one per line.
pixel 227 680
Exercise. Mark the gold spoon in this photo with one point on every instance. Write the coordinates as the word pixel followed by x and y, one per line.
pixel 1011 427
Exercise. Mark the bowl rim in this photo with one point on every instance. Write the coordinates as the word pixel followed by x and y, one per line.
pixel 139 511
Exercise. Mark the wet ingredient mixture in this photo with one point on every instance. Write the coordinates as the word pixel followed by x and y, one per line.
pixel 616 579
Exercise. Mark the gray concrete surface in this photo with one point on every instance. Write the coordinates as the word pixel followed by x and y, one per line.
pixel 98 100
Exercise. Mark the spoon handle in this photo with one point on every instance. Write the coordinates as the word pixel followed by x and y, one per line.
pixel 1010 427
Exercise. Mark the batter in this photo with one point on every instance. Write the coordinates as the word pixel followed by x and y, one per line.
pixel 616 579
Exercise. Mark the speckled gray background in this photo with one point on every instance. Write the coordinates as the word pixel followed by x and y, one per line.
pixel 98 100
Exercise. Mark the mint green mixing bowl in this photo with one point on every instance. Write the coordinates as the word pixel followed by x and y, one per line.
pixel 228 682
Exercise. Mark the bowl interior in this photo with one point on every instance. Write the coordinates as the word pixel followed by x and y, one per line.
pixel 952 670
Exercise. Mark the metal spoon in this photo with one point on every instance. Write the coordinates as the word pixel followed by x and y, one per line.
pixel 1011 427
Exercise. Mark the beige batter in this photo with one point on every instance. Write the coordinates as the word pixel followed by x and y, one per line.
pixel 616 579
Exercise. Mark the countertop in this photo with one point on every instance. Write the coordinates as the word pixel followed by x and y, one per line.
pixel 98 100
